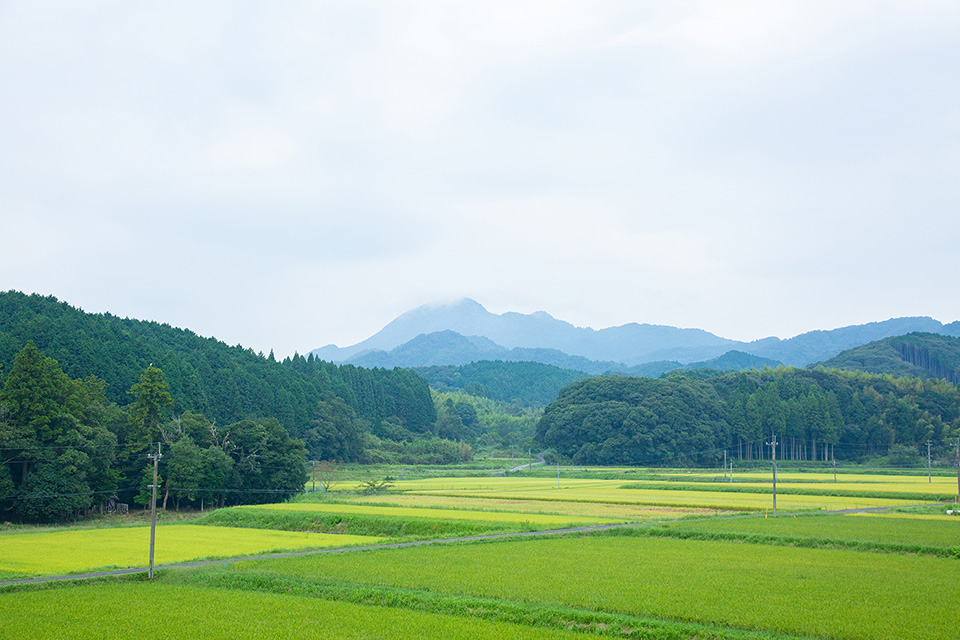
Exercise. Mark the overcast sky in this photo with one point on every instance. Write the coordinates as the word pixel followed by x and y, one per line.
pixel 288 175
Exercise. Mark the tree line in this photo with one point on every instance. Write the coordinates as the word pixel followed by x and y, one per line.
pixel 224 383
pixel 65 448
pixel 817 415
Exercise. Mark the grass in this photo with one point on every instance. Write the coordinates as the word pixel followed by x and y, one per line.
pixel 720 579
pixel 689 499
pixel 818 592
pixel 513 611
pixel 882 529
pixel 630 512
pixel 178 612
pixel 530 519
pixel 914 492
pixel 85 550
pixel 394 528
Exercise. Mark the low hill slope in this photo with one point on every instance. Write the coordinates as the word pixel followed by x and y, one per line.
pixel 921 355
pixel 207 376
pixel 530 383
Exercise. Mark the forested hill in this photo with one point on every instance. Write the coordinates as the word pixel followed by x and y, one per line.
pixel 529 384
pixel 815 414
pixel 224 383
pixel 924 355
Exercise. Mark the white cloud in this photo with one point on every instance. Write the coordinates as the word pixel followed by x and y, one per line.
pixel 257 148
pixel 743 166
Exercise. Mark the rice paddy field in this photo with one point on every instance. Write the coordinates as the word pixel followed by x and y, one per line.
pixel 684 555
pixel 84 550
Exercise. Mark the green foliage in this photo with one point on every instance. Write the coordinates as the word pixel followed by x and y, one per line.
pixel 335 433
pixel 419 451
pixel 816 415
pixel 531 383
pixel 55 450
pixel 152 395
pixel 224 383
pixel 375 486
pixel 920 355
pixel 616 420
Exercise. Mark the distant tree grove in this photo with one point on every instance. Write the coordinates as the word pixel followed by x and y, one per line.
pixel 817 415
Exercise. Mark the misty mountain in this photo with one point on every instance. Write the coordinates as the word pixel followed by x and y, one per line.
pixel 921 355
pixel 730 361
pixel 552 340
pixel 815 346
pixel 629 344
pixel 449 348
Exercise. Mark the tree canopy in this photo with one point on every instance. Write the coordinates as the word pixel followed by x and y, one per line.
pixel 816 414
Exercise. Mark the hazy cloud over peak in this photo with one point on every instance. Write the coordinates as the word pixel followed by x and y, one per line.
pixel 287 176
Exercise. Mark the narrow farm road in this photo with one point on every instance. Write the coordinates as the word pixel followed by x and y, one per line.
pixel 530 464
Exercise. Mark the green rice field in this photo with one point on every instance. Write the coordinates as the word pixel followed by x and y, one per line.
pixel 178 612
pixel 692 559
pixel 819 592
pixel 83 550
pixel 536 519
pixel 911 530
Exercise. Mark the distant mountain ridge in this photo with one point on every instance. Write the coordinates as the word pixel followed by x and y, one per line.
pixel 630 345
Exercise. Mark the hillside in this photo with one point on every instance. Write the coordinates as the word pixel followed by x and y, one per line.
pixel 921 355
pixel 816 415
pixel 205 375
pixel 530 384
pixel 730 361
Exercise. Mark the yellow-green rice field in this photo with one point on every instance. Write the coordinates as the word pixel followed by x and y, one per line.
pixel 538 519
pixel 83 550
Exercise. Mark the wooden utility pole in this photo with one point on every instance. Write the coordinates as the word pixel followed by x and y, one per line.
pixel 724 464
pixel 929 476
pixel 834 469
pixel 153 508
pixel 958 470
pixel 773 457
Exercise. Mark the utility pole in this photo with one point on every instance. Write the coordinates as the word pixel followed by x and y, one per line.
pixel 724 464
pixel 731 470
pixel 773 456
pixel 313 476
pixel 153 508
pixel 958 470
pixel 929 476
pixel 834 468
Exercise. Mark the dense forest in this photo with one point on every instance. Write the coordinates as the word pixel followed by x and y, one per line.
pixel 815 414
pixel 234 426
pixel 529 384
pixel 225 384
pixel 65 448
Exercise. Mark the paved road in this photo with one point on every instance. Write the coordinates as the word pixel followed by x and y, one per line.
pixel 400 545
